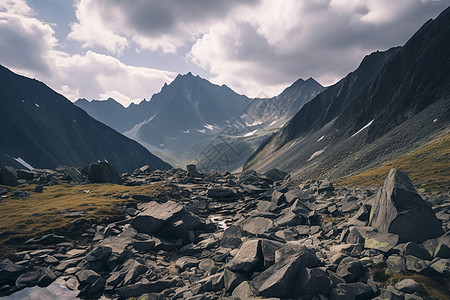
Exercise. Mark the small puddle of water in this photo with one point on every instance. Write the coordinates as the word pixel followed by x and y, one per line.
pixel 53 292
pixel 221 221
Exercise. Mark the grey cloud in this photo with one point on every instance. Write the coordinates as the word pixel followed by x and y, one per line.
pixel 334 47
pixel 157 18
pixel 20 49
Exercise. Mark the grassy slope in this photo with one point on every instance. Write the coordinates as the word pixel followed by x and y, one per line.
pixel 39 214
pixel 428 167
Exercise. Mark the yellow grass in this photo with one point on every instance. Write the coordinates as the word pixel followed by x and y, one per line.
pixel 428 168
pixel 21 218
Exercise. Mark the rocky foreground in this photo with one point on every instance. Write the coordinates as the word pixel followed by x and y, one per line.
pixel 230 237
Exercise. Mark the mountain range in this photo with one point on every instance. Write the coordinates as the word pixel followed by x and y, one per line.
pixel 187 115
pixel 393 102
pixel 40 128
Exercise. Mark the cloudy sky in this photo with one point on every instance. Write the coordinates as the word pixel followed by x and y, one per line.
pixel 127 49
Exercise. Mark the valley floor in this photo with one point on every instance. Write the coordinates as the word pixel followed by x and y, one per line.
pixel 174 235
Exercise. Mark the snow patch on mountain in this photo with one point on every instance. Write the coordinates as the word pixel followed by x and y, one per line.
pixel 23 163
pixel 317 153
pixel 367 125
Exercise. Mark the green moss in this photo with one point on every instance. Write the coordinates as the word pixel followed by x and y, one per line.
pixel 372 243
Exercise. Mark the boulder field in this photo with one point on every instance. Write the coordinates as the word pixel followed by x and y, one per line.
pixel 244 237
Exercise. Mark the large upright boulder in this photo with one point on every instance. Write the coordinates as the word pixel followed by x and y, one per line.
pixel 399 209
pixel 103 172
pixel 8 176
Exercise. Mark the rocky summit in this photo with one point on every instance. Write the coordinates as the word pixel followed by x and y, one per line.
pixel 223 236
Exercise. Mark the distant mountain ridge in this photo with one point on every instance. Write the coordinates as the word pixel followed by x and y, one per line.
pixel 190 111
pixel 394 102
pixel 43 129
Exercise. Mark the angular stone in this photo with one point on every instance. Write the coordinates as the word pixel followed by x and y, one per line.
pixel 46 277
pixel 399 209
pixel 69 263
pixel 140 288
pixel 141 197
pixel 244 291
pixel 313 281
pixel 390 294
pixel 297 195
pixel 356 291
pixel 185 262
pixel 207 265
pixel 325 186
pixel 155 216
pixel 210 283
pixel 221 193
pixel 27 279
pixel 257 225
pixel 354 237
pixel 441 266
pixel 144 246
pixel 416 264
pixel 248 257
pixel 192 171
pixel 266 206
pixel 409 286
pixel 396 264
pixel 275 174
pixel 289 218
pixel 278 197
pixel 268 249
pixel 363 213
pixel 439 247
pixel 9 271
pixel 279 280
pixel 380 241
pixel 103 172
pixel 91 283
pixel 48 239
pixel 8 176
pixel 350 269
pixel 39 189
pixel 418 251
pixel 232 279
pixel 71 173
pixel 25 174
pixel 115 279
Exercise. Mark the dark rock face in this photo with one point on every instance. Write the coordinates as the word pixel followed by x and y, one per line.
pixel 103 173
pixel 399 209
pixel 8 176
pixel 33 117
pixel 378 112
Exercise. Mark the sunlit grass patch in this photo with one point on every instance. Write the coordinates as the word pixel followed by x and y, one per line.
pixel 428 168
pixel 41 213
pixel 436 287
